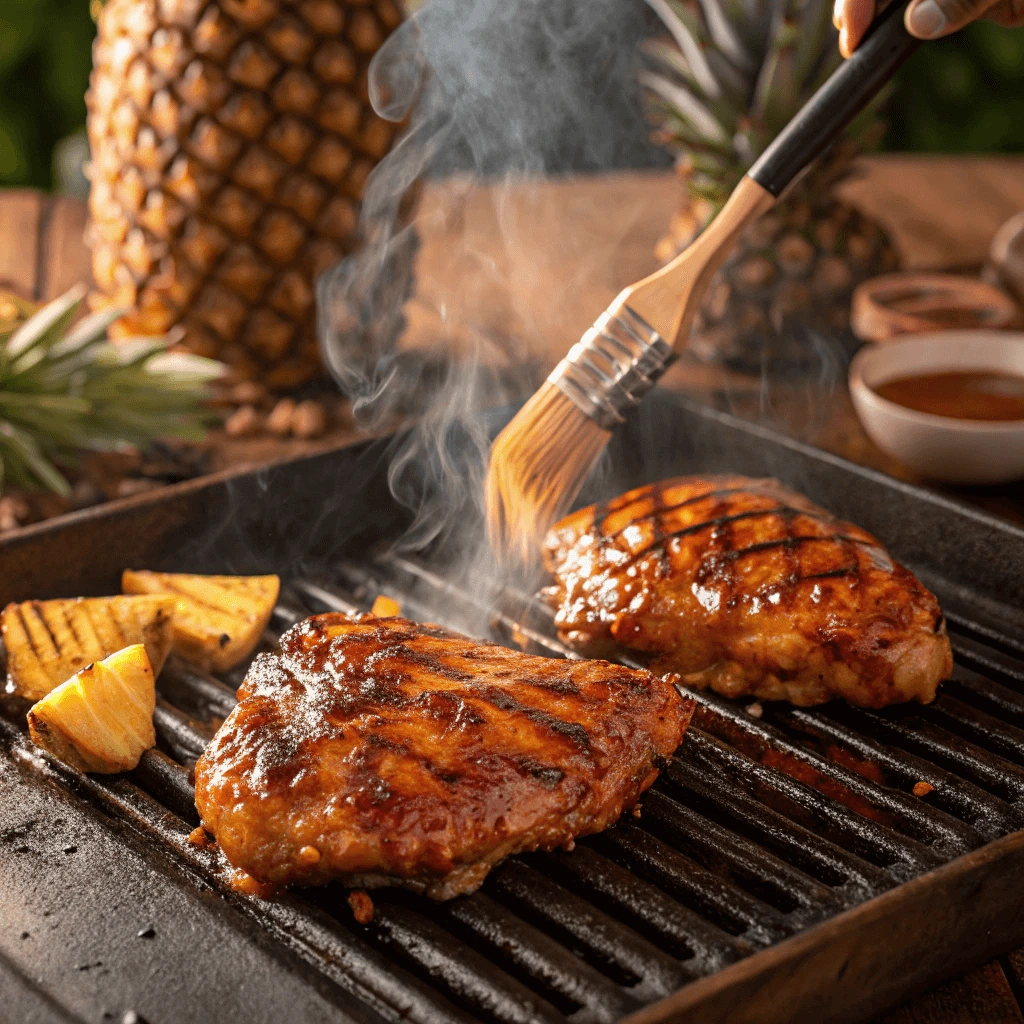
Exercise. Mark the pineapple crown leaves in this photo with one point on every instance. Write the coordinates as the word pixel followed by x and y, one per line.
pixel 65 389
pixel 732 75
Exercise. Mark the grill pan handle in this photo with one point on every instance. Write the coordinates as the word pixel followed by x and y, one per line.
pixel 886 45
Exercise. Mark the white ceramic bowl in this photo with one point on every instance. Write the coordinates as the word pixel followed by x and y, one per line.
pixel 956 451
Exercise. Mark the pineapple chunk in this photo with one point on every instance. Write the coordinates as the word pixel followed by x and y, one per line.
pixel 47 642
pixel 385 607
pixel 218 620
pixel 100 720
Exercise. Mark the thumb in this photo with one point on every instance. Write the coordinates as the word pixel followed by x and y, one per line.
pixel 929 19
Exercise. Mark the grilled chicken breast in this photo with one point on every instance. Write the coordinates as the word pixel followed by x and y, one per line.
pixel 385 752
pixel 745 587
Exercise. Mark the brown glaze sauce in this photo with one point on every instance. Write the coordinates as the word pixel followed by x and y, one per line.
pixel 241 881
pixel 962 395
pixel 362 906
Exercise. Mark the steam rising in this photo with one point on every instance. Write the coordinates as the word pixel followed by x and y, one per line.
pixel 511 93
pixel 503 91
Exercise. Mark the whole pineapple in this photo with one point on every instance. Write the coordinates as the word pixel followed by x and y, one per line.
pixel 733 75
pixel 230 143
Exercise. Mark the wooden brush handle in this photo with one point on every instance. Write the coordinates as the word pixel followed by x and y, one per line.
pixel 848 90
pixel 669 298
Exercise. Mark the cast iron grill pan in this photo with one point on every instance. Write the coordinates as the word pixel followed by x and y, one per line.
pixel 770 820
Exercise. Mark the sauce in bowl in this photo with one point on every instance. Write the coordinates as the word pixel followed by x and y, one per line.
pixel 966 395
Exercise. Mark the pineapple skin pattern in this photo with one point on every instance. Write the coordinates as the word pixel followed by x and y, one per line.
pixel 726 81
pixel 231 141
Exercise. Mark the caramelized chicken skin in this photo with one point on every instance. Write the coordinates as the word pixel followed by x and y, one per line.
pixel 382 751
pixel 750 589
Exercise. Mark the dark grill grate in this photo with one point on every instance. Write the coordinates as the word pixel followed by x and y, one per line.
pixel 763 825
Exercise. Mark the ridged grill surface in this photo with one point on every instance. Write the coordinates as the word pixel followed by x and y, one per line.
pixel 769 820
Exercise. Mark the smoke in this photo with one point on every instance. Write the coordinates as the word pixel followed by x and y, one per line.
pixel 498 96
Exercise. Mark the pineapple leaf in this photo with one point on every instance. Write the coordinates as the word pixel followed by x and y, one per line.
pixel 781 90
pixel 686 106
pixel 86 332
pixel 67 389
pixel 46 326
pixel 12 400
pixel 130 352
pixel 665 54
pixel 184 369
pixel 724 35
pixel 731 79
pixel 26 464
pixel 773 18
pixel 691 52
pixel 789 47
pixel 817 46
pixel 774 91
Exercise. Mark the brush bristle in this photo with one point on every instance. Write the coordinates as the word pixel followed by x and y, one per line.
pixel 538 465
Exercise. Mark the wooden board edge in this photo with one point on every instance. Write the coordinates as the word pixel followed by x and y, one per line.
pixel 174 491
pixel 871 957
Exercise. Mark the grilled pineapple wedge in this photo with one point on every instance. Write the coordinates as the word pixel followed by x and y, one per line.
pixel 100 720
pixel 218 620
pixel 47 642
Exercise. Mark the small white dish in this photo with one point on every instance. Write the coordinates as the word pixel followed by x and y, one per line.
pixel 956 451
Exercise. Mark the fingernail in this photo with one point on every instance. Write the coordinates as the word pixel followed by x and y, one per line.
pixel 844 41
pixel 837 13
pixel 926 20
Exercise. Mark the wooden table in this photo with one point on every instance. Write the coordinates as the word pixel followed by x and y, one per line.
pixel 528 266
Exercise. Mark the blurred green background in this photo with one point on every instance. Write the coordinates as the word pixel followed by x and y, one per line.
pixel 964 94
pixel 45 56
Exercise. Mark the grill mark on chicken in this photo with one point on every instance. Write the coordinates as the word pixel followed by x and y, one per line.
pixel 791 553
pixel 380 691
pixel 664 566
pixel 535 768
pixel 723 521
pixel 662 509
pixel 722 538
pixel 789 544
pixel 429 662
pixel 464 714
pixel 546 774
pixel 786 602
pixel 564 687
pixel 408 755
pixel 449 778
pixel 830 574
pixel 506 702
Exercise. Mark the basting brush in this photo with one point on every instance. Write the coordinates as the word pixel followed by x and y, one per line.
pixel 540 461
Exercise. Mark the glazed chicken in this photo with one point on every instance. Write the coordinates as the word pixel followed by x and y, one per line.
pixel 748 589
pixel 380 751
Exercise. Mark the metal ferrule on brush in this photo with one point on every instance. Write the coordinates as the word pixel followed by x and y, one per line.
pixel 612 367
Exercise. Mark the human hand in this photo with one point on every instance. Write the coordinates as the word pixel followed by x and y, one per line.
pixel 926 19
